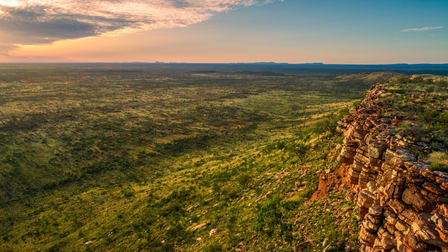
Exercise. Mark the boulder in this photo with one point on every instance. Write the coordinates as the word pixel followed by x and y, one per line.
pixel 200 226
pixel 415 199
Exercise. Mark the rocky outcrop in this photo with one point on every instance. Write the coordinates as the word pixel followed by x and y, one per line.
pixel 402 205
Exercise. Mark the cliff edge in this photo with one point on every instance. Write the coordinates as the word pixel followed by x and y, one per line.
pixel 402 200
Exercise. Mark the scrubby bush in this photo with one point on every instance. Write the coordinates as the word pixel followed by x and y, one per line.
pixel 439 161
pixel 214 247
pixel 269 215
pixel 244 179
pixel 330 122
pixel 270 218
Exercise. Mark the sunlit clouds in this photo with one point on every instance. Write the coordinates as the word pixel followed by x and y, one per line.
pixel 329 31
pixel 26 22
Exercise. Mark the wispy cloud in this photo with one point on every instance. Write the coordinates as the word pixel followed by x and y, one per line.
pixel 424 28
pixel 24 22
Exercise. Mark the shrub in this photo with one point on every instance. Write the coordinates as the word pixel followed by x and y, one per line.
pixel 269 218
pixel 244 179
pixel 268 213
pixel 439 161
pixel 328 124
pixel 214 247
pixel 128 192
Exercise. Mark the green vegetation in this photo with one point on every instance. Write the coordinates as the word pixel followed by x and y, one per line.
pixel 420 104
pixel 439 161
pixel 133 158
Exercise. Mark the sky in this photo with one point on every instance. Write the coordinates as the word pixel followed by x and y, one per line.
pixel 224 31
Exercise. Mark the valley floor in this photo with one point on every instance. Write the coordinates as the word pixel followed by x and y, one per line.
pixel 154 160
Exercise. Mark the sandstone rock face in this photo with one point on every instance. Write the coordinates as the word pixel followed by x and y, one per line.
pixel 402 205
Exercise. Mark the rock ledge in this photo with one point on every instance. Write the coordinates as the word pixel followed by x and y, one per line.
pixel 402 205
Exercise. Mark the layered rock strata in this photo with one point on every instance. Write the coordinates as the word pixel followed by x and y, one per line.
pixel 402 205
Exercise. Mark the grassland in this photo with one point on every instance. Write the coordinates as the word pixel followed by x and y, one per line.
pixel 420 104
pixel 132 158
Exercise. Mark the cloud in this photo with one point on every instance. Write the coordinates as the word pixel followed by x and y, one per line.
pixel 425 28
pixel 25 22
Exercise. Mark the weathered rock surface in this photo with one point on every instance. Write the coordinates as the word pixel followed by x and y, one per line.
pixel 402 205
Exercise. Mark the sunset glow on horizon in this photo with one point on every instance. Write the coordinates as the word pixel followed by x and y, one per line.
pixel 214 31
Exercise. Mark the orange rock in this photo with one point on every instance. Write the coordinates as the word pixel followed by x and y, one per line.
pixel 380 170
pixel 366 237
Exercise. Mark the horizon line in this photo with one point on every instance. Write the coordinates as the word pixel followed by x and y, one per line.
pixel 226 63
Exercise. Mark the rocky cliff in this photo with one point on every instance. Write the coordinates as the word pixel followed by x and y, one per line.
pixel 402 204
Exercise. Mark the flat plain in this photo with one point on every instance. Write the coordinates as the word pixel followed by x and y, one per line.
pixel 150 157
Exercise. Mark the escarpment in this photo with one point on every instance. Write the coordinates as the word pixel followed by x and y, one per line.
pixel 402 204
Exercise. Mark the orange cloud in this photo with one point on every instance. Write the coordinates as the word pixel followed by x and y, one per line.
pixel 29 22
